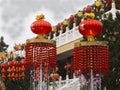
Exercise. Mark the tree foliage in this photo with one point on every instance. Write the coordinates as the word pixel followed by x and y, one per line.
pixel 111 33
pixel 3 45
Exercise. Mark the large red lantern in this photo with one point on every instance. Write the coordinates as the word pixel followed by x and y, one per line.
pixel 41 27
pixel 90 27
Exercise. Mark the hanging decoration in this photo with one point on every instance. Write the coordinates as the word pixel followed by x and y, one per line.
pixel 89 15
pixel 92 56
pixel 58 26
pixel 41 27
pixel 88 9
pixel 53 28
pixel 97 3
pixel 41 52
pixel 22 65
pixel 3 70
pixel 90 28
pixel 71 18
pixel 80 14
pixel 65 22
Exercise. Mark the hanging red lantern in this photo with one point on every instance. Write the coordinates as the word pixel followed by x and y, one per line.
pixel 88 9
pixel 9 70
pixel 3 65
pixel 41 27
pixel 71 18
pixel 3 71
pixel 90 27
pixel 58 26
pixel 22 64
pixel 56 76
pixel 3 76
pixel 108 1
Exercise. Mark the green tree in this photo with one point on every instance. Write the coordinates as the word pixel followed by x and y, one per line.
pixel 3 45
pixel 111 33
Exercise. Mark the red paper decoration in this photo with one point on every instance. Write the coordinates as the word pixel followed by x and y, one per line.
pixel 90 27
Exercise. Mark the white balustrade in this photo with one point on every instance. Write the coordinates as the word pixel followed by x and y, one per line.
pixel 68 84
pixel 66 37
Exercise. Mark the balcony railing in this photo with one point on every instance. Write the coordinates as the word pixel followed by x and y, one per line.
pixel 66 37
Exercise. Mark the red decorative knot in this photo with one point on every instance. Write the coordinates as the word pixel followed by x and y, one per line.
pixel 90 27
pixel 41 27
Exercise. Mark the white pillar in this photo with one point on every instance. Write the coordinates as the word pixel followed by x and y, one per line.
pixel 41 77
pixel 91 80
pixel 60 79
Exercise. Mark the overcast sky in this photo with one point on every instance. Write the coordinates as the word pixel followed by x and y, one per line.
pixel 16 16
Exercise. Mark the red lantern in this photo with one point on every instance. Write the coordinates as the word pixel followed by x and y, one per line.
pixel 3 76
pixel 56 76
pixel 58 26
pixel 108 1
pixel 22 68
pixel 71 18
pixel 88 9
pixel 41 26
pixel 90 27
pixel 3 71
pixel 22 62
pixel 51 75
pixel 3 65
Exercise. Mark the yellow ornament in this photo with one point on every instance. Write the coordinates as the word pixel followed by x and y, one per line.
pixel 97 3
pixel 65 22
pixel 79 14
pixel 53 28
pixel 92 15
pixel 40 17
pixel 87 15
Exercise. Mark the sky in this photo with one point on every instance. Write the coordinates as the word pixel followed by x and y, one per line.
pixel 16 16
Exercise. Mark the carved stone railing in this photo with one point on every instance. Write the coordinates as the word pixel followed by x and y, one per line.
pixel 66 37
pixel 69 84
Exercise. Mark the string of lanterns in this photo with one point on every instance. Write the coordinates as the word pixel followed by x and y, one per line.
pixel 87 12
pixel 13 69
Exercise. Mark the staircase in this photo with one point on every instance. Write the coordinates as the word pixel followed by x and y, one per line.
pixel 69 84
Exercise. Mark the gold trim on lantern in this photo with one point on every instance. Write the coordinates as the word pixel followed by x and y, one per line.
pixel 40 40
pixel 91 43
